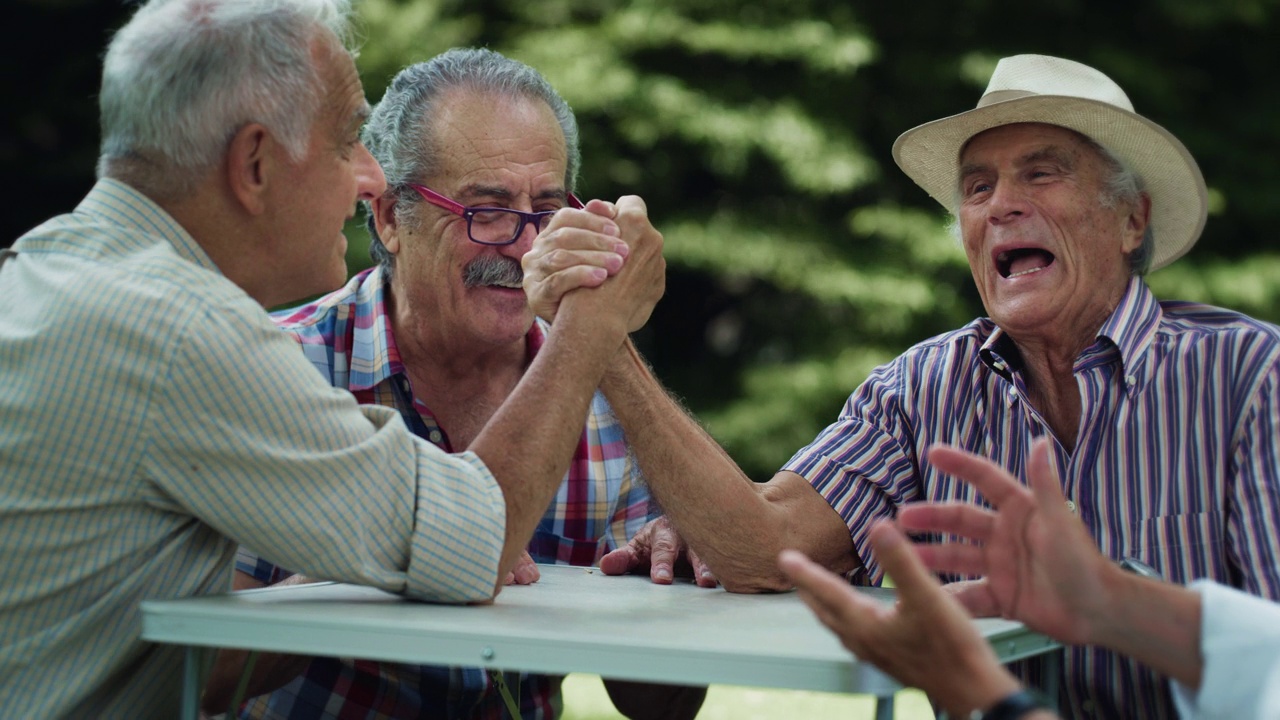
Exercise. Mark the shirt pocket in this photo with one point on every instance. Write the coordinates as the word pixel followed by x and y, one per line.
pixel 1184 547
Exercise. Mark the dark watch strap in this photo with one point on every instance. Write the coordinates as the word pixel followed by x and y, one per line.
pixel 1014 706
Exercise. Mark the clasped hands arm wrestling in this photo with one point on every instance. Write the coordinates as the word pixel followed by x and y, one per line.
pixel 629 297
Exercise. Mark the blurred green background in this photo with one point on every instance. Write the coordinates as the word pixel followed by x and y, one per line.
pixel 759 134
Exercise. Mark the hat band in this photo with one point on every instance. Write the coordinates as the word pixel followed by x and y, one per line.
pixel 999 96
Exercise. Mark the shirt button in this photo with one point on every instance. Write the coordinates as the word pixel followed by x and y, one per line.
pixel 434 436
pixel 1071 505
pixel 1131 379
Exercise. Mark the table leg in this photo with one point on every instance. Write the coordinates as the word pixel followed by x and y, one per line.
pixel 884 707
pixel 1052 666
pixel 193 673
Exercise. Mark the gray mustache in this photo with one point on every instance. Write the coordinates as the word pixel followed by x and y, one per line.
pixel 493 270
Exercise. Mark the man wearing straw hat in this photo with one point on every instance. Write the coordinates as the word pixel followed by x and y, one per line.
pixel 1164 415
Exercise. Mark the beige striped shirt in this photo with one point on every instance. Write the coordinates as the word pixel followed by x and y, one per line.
pixel 153 417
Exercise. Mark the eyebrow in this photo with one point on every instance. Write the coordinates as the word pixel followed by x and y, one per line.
pixel 360 116
pixel 1052 153
pixel 478 189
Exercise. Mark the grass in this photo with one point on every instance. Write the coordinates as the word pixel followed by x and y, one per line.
pixel 586 699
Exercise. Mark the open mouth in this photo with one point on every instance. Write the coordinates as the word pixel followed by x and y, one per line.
pixel 1022 261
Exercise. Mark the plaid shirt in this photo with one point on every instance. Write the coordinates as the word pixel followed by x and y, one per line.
pixel 1177 463
pixel 603 502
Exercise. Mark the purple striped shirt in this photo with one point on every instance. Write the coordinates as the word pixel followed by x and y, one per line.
pixel 1176 461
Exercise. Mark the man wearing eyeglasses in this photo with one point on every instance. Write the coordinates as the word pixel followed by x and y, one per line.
pixel 480 153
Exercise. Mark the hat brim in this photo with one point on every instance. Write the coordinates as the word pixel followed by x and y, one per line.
pixel 930 155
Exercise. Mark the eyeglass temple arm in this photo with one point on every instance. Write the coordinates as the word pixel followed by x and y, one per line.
pixel 437 199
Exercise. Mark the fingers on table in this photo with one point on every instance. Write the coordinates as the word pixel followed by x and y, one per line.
pixel 664 550
pixel 702 574
pixel 621 561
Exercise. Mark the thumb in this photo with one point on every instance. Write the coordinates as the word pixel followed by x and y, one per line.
pixel 1042 476
pixel 603 208
pixel 634 203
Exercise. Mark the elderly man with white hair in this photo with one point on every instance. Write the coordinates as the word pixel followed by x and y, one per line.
pixel 1164 416
pixel 153 415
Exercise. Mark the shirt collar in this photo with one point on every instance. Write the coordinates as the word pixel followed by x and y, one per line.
pixel 1129 329
pixel 374 356
pixel 1132 326
pixel 128 208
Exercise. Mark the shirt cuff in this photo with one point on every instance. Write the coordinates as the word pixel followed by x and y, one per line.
pixel 460 525
pixel 1239 637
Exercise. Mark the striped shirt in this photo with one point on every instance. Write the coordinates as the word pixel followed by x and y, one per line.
pixel 601 503
pixel 1176 463
pixel 154 418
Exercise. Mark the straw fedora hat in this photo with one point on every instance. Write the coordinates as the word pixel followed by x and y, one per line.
pixel 1043 89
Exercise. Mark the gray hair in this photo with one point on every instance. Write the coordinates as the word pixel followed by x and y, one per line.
pixel 399 135
pixel 1124 185
pixel 183 76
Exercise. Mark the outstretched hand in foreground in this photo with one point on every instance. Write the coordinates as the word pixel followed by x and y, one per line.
pixel 925 640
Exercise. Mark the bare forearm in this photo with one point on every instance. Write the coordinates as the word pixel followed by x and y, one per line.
pixel 529 442
pixel 1155 622
pixel 715 507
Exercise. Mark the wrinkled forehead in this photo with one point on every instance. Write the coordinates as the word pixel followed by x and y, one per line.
pixel 342 104
pixel 1018 135
pixel 484 128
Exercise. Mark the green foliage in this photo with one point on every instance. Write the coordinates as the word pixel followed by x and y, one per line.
pixel 758 131
pixel 759 135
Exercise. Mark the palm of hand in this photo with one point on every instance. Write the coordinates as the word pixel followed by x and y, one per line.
pixel 1036 572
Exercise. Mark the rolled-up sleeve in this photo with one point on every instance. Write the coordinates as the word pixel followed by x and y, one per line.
pixel 249 439
pixel 861 464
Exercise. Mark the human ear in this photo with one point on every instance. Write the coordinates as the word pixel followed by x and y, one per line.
pixel 249 165
pixel 1136 223
pixel 383 208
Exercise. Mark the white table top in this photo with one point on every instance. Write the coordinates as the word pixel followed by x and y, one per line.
pixel 572 620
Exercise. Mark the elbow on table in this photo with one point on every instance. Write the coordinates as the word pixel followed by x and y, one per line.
pixel 749 580
pixel 454 593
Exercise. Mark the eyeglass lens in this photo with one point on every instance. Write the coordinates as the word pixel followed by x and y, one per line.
pixel 500 226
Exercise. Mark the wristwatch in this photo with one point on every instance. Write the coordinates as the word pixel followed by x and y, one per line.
pixel 1137 567
pixel 1014 706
